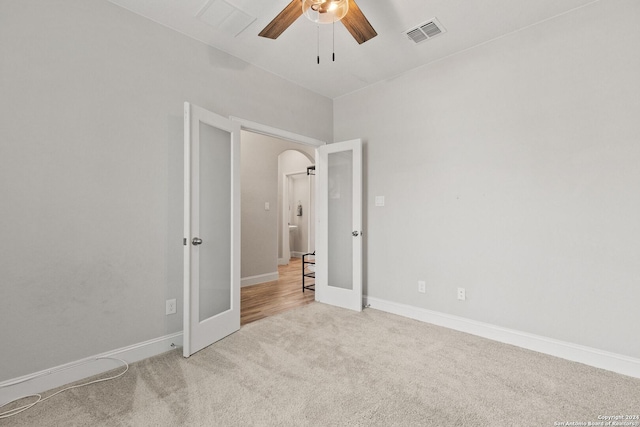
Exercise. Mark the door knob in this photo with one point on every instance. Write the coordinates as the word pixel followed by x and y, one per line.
pixel 355 234
pixel 196 241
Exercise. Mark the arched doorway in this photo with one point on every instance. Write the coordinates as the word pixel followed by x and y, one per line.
pixel 296 192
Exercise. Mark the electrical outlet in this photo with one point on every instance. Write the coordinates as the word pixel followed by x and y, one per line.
pixel 171 306
pixel 462 295
pixel 422 287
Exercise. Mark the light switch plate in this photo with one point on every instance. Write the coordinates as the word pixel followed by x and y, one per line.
pixel 171 306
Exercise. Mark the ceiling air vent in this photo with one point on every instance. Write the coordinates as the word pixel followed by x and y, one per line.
pixel 425 31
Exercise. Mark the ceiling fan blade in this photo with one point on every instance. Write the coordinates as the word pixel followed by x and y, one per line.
pixel 284 19
pixel 357 24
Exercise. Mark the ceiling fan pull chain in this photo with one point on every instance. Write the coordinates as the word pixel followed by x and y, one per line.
pixel 318 26
pixel 333 39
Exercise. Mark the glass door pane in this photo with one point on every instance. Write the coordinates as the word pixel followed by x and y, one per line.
pixel 215 222
pixel 340 220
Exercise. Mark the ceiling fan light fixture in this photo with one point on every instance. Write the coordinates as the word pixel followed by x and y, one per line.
pixel 325 11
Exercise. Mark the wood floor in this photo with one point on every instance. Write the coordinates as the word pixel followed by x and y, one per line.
pixel 266 299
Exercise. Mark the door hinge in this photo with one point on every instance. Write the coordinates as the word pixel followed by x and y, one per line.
pixel 184 241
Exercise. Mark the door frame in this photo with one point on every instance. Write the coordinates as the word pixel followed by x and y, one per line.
pixel 259 128
pixel 256 127
pixel 285 204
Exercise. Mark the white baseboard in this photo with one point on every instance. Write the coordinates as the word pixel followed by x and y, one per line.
pixel 296 254
pixel 577 353
pixel 84 368
pixel 283 261
pixel 261 278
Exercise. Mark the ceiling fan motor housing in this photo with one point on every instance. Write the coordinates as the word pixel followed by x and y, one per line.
pixel 325 11
pixel 322 12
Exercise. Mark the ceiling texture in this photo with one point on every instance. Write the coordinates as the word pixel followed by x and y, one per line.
pixel 233 26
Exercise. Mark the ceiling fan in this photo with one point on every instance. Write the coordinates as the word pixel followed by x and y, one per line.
pixel 322 11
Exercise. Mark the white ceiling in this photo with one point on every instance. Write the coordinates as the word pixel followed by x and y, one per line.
pixel 293 55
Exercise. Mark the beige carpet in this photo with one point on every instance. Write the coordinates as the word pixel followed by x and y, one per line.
pixel 323 366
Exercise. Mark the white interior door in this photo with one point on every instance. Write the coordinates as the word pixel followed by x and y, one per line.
pixel 211 228
pixel 339 224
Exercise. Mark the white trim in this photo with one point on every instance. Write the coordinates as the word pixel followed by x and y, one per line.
pixel 286 242
pixel 283 261
pixel 260 278
pixel 80 369
pixel 275 132
pixel 577 353
pixel 186 251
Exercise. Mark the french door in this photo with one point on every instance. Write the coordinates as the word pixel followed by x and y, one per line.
pixel 339 224
pixel 211 228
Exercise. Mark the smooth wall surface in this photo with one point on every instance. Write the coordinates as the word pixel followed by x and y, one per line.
pixel 91 153
pixel 511 170
pixel 260 183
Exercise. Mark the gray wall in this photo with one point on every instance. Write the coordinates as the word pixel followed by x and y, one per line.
pixel 512 170
pixel 260 184
pixel 91 136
